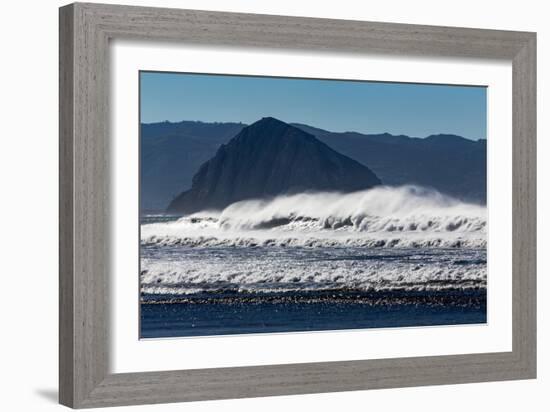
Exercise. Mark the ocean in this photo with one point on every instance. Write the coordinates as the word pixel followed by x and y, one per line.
pixel 386 257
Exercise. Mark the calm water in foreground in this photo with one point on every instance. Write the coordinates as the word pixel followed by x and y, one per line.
pixel 203 319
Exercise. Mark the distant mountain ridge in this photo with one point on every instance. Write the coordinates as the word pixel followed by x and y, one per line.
pixel 266 159
pixel 171 153
pixel 448 163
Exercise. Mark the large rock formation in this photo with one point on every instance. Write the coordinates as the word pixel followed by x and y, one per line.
pixel 171 153
pixel 266 159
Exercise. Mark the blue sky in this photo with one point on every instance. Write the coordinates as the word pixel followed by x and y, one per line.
pixel 417 110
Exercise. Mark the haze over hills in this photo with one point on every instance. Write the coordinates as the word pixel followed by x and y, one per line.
pixel 266 159
pixel 448 163
pixel 171 153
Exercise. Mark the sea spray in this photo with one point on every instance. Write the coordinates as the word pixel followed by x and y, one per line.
pixel 407 216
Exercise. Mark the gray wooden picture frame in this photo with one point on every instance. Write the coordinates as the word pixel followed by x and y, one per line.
pixel 85 32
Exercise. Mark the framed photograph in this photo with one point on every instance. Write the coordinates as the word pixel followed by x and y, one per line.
pixel 256 205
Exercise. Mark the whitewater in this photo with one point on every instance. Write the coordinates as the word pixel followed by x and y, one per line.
pixel 382 239
pixel 382 217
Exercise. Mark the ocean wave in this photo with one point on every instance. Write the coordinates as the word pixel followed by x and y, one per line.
pixel 263 240
pixel 407 216
pixel 292 271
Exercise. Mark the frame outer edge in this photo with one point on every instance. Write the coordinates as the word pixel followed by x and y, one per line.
pixel 66 193
pixel 84 251
pixel 92 186
pixel 205 27
pixel 84 191
pixel 524 206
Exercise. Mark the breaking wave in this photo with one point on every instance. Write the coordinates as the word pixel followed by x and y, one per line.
pixel 302 269
pixel 406 216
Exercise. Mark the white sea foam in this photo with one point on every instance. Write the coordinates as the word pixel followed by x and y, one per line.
pixel 300 269
pixel 380 239
pixel 406 216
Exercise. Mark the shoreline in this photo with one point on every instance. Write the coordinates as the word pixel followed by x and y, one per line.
pixel 231 316
pixel 472 297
